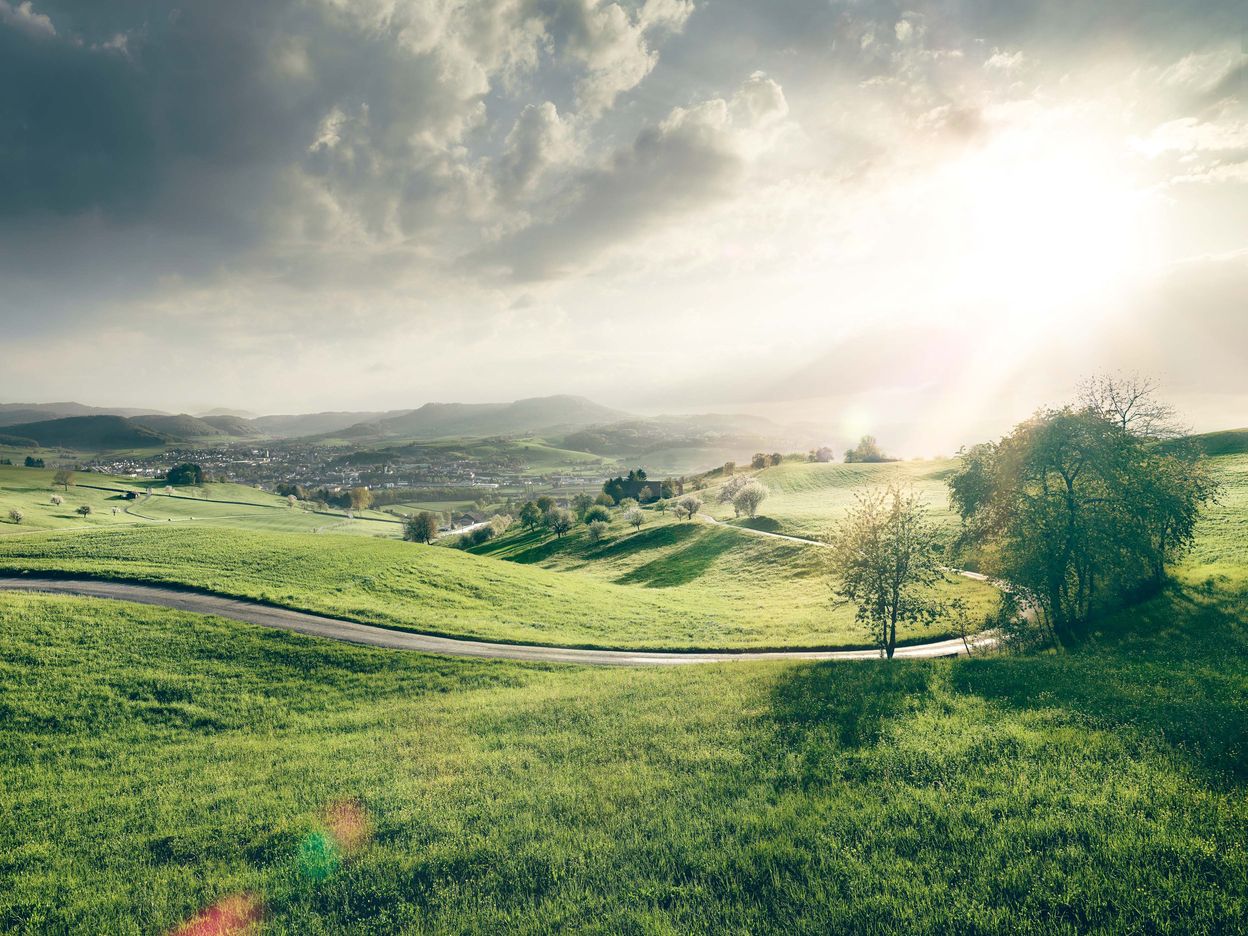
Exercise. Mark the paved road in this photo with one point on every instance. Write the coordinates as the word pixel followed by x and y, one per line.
pixel 335 629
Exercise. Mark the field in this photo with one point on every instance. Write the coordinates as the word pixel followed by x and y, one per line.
pixel 809 499
pixel 669 587
pixel 156 763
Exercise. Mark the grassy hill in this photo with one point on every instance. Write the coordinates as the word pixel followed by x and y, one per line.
pixel 158 763
pixel 666 588
pixel 476 420
pixel 90 433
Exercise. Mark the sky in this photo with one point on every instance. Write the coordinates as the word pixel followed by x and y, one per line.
pixel 921 220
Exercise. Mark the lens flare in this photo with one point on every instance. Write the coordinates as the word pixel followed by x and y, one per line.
pixel 236 915
pixel 347 821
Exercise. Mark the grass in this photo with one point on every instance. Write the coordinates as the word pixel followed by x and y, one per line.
pixel 155 763
pixel 671 587
pixel 809 499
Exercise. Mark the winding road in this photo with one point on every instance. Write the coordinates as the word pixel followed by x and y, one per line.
pixel 352 632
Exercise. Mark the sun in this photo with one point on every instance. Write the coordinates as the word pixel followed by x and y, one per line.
pixel 1048 232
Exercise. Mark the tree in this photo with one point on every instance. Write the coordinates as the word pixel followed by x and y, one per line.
pixel 500 523
pixel 729 489
pixel 530 516
pixel 581 503
pixel 57 500
pixel 748 498
pixel 661 505
pixel 85 510
pixel 646 494
pixel 628 503
pixel 884 558
pixel 32 462
pixel 1128 400
pixel 597 513
pixel 823 454
pixel 730 468
pixel 16 515
pixel 776 458
pixel 545 504
pixel 596 530
pixel 687 507
pixel 291 500
pixel 559 521
pixel 759 460
pixel 361 498
pixel 635 518
pixel 867 450
pixel 1077 512
pixel 64 477
pixel 606 500
pixel 186 473
pixel 421 527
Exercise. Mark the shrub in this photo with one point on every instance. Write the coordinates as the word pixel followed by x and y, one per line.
pixel 597 530
pixel 597 514
pixel 16 515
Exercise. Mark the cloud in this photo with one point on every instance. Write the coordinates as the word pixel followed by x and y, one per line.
pixel 694 157
pixel 24 18
pixel 539 140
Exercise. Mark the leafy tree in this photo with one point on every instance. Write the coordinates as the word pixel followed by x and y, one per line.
pixel 661 505
pixel 606 500
pixel 760 460
pixel 361 498
pixel 559 521
pixel 16 515
pixel 596 530
pixel 500 523
pixel 1077 512
pixel 628 503
pixel 822 454
pixel 291 500
pixel 85 510
pixel 64 477
pixel 646 494
pixel 867 450
pixel 776 458
pixel 635 518
pixel 748 498
pixel 545 504
pixel 186 473
pixel 884 559
pixel 687 507
pixel 728 490
pixel 32 462
pixel 421 527
pixel 582 503
pixel 597 514
pixel 57 500
pixel 530 516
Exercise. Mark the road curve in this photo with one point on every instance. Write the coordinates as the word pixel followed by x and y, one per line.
pixel 351 632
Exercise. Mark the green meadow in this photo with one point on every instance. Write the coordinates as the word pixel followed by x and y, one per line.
pixel 155 763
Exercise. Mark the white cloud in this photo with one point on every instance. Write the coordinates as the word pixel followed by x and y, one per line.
pixel 539 140
pixel 24 17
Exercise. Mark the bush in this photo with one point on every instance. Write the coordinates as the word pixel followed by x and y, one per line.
pixel 16 515
pixel 598 513
pixel 597 530
pixel 84 510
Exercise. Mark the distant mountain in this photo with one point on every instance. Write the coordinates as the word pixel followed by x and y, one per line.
pixel 224 411
pixel 450 420
pixel 728 436
pixel 181 426
pixel 12 414
pixel 311 424
pixel 89 433
pixel 238 426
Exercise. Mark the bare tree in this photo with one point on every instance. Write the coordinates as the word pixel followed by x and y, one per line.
pixel 635 518
pixel 1129 402
pixel 884 560
pixel 64 477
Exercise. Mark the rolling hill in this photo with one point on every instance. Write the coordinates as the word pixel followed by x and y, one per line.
pixel 13 414
pixel 522 417
pixel 90 432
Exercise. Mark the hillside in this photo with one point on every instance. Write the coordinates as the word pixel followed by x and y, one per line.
pixel 522 417
pixel 292 426
pixel 17 413
pixel 181 426
pixel 90 433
